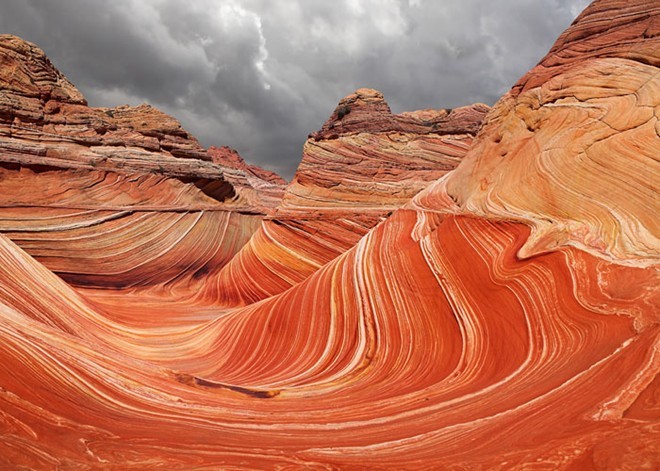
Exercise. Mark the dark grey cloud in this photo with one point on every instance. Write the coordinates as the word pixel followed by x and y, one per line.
pixel 259 75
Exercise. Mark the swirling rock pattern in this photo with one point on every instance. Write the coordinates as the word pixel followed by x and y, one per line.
pixel 117 197
pixel 589 187
pixel 453 335
pixel 363 164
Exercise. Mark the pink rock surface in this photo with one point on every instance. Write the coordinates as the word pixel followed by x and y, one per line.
pixel 506 317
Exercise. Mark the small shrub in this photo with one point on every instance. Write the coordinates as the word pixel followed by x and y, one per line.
pixel 343 111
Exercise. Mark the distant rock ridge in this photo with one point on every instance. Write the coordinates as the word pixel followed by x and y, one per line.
pixel 229 157
pixel 368 158
pixel 367 111
pixel 36 94
pixel 45 121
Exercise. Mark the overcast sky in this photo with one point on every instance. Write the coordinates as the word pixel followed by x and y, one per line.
pixel 259 75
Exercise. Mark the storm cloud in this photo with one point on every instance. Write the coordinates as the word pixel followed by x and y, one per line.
pixel 259 75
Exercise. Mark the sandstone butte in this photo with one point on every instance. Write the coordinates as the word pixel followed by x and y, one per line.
pixel 117 197
pixel 505 317
pixel 362 165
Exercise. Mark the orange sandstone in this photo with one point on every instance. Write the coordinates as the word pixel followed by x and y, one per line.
pixel 114 197
pixel 507 317
pixel 364 163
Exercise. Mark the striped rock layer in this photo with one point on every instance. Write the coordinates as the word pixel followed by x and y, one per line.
pixel 489 323
pixel 362 165
pixel 114 197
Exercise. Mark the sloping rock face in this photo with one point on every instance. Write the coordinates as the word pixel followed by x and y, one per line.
pixel 451 336
pixel 229 157
pixel 366 159
pixel 261 187
pixel 364 163
pixel 581 130
pixel 113 196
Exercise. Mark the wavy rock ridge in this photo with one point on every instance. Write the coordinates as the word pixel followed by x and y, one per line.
pixel 363 164
pixel 590 179
pixel 118 197
pixel 491 322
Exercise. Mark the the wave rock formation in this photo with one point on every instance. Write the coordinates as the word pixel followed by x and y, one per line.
pixel 433 290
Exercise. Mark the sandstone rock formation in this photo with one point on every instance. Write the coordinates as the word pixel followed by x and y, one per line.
pixel 228 157
pixel 507 317
pixel 581 129
pixel 364 163
pixel 113 196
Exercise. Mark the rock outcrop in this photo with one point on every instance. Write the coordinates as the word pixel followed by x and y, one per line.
pixel 572 150
pixel 229 157
pixel 113 196
pixel 507 317
pixel 364 163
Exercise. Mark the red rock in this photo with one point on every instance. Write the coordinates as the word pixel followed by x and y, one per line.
pixel 106 184
pixel 363 164
pixel 26 72
pixel 507 317
pixel 598 34
pixel 229 157
pixel 366 111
